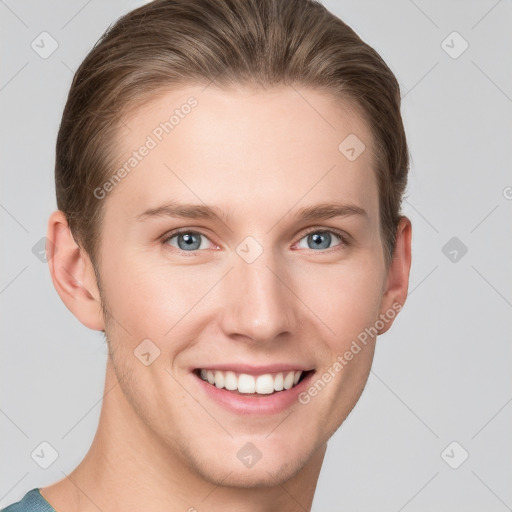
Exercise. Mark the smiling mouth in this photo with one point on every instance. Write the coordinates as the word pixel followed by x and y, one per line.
pixel 246 384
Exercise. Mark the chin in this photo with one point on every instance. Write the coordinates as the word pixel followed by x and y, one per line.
pixel 271 466
pixel 259 476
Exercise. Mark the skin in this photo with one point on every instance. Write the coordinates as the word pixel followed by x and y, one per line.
pixel 259 156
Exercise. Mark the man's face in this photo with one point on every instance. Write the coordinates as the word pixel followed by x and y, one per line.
pixel 250 296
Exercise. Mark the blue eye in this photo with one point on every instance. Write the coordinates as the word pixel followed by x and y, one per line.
pixel 320 240
pixel 187 241
pixel 192 241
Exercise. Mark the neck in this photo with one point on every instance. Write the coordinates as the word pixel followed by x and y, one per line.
pixel 128 467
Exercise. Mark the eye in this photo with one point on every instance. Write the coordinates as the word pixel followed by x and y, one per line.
pixel 187 241
pixel 192 241
pixel 321 240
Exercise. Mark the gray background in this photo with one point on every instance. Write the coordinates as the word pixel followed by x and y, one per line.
pixel 443 372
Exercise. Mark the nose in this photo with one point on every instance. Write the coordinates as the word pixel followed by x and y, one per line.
pixel 258 303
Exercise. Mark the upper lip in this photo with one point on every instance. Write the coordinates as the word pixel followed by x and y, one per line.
pixel 255 370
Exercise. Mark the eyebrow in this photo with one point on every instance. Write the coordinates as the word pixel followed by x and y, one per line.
pixel 198 211
pixel 184 211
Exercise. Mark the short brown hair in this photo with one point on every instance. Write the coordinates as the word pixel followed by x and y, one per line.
pixel 170 43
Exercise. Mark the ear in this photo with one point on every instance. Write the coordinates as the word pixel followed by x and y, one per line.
pixel 397 282
pixel 72 273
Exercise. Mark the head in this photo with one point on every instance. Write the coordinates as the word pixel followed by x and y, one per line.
pixel 282 129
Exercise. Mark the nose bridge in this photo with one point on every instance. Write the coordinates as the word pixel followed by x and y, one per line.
pixel 258 304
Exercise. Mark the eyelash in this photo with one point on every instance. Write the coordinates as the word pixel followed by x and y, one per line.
pixel 344 239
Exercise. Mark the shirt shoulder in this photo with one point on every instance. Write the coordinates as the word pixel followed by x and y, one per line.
pixel 33 501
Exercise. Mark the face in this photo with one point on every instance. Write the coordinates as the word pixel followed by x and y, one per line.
pixel 241 259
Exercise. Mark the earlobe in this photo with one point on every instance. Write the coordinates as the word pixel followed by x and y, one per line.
pixel 73 274
pixel 397 282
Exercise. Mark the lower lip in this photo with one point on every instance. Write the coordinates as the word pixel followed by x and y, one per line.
pixel 254 404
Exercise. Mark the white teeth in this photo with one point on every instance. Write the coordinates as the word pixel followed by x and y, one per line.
pixel 288 380
pixel 231 381
pixel 246 383
pixel 219 379
pixel 264 384
pixel 279 382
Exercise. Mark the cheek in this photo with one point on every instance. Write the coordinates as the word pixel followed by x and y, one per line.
pixel 149 296
pixel 345 297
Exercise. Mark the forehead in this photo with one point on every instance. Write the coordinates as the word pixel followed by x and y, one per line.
pixel 244 148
